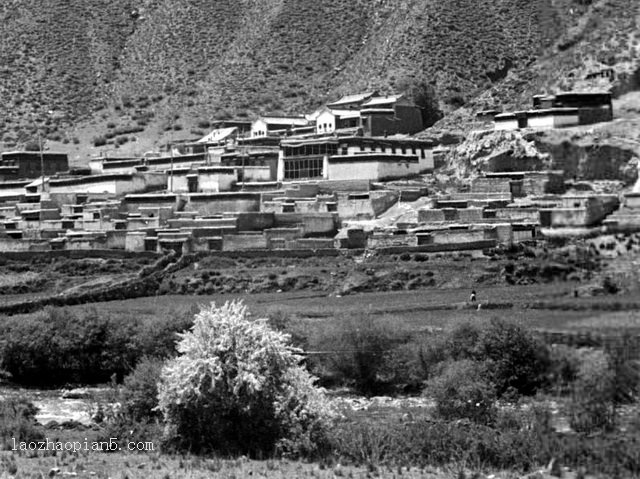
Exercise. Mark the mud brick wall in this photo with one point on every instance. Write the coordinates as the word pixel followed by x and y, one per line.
pixel 491 185
pixel 430 215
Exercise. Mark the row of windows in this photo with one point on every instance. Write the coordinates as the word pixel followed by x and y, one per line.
pixel 403 150
pixel 332 149
pixel 307 150
pixel 304 168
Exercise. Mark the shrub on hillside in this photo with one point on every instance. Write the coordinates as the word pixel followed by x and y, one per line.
pixel 237 387
pixel 424 96
pixel 32 145
pixel 463 391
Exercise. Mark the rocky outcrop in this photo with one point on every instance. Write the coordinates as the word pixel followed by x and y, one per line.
pixel 492 151
pixel 607 151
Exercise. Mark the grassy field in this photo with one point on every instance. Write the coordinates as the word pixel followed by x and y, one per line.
pixel 153 465
pixel 413 310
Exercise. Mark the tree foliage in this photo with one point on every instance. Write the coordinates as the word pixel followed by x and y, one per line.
pixel 424 96
pixel 517 362
pixel 60 345
pixel 463 392
pixel 237 387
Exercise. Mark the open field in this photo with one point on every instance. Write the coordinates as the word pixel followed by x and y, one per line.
pixel 537 306
pixel 153 465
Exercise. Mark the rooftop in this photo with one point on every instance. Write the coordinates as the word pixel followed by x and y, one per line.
pixel 345 113
pixel 357 98
pixel 284 120
pixel 381 100
pixel 218 134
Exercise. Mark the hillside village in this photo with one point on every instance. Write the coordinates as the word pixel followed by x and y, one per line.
pixel 351 175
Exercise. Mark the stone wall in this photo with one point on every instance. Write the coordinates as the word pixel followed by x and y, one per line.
pixel 244 242
pixel 457 236
pixel 212 204
pixel 9 245
pixel 255 221
pixel 430 215
pixel 518 214
pixel 491 185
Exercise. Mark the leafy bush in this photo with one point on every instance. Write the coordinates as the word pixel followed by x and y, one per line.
pixel 58 345
pixel 359 347
pixel 604 380
pixel 463 392
pixel 237 387
pixel 99 141
pixel 592 406
pixel 518 362
pixel 409 365
pixel 135 413
pixel 17 420
pixel 140 390
pixel 32 145
pixel 626 369
pixel 564 365
pixel 424 96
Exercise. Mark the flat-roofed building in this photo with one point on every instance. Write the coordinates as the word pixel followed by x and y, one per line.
pixel 390 115
pixel 354 158
pixel 28 164
pixel 277 125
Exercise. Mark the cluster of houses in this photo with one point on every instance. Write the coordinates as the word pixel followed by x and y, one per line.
pixel 313 182
pixel 555 111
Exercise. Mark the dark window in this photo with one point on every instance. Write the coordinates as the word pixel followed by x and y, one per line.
pixel 192 184
pixel 303 168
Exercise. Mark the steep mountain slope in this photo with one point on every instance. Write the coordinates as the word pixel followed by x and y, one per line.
pixel 600 50
pixel 83 68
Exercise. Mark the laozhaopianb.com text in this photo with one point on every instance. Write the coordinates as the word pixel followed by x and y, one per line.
pixel 112 445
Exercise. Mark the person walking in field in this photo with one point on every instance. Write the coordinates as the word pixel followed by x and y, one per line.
pixel 472 298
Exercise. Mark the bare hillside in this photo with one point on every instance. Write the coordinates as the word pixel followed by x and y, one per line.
pixel 82 70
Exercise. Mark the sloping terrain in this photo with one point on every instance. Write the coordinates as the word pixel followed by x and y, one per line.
pixel 599 48
pixel 78 70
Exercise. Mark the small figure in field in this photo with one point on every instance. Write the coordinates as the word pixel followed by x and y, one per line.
pixel 472 298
